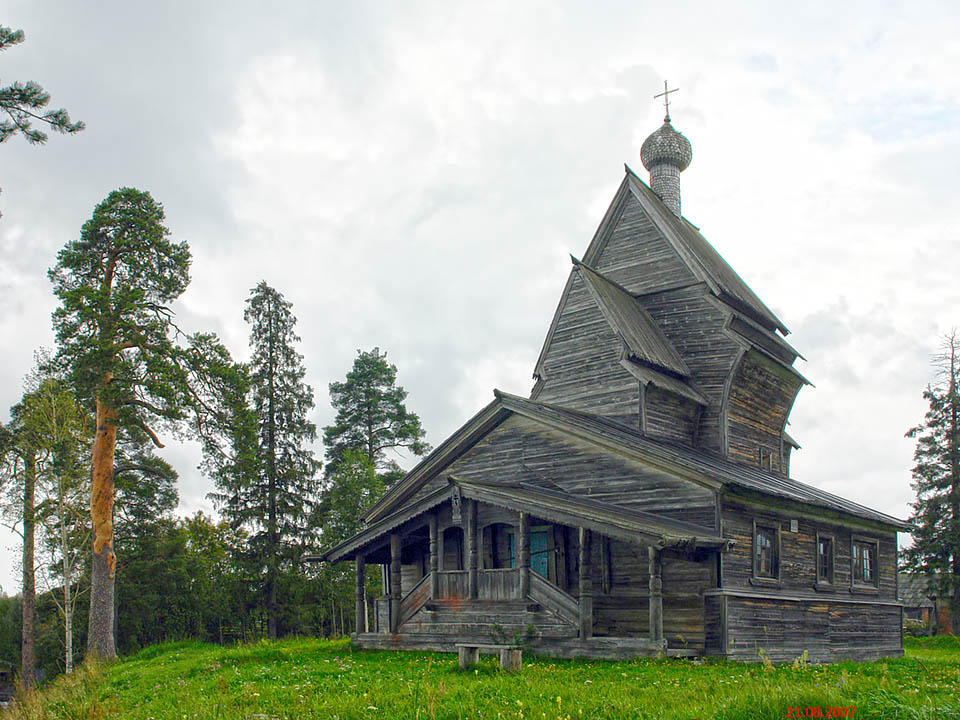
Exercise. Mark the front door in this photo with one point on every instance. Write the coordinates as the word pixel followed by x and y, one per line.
pixel 539 553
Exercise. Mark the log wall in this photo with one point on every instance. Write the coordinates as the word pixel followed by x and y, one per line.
pixel 798 552
pixel 761 396
pixel 828 631
pixel 694 323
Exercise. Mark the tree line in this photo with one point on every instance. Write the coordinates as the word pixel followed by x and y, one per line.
pixel 85 484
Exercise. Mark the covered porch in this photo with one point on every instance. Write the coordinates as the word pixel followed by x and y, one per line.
pixel 562 574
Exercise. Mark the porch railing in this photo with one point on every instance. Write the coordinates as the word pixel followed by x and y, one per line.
pixel 550 596
pixel 497 584
pixel 416 598
pixel 452 584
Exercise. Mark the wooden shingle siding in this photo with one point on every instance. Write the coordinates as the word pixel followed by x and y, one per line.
pixel 694 325
pixel 761 395
pixel 669 416
pixel 523 450
pixel 637 256
pixel 582 363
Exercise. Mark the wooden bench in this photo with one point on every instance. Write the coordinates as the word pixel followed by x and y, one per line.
pixel 510 655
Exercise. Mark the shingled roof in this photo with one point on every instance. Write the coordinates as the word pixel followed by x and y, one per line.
pixel 628 319
pixel 699 255
pixel 713 469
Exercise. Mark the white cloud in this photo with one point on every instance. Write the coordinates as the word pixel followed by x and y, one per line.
pixel 413 177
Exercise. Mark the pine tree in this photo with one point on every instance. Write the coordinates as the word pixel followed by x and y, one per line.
pixel 936 480
pixel 126 358
pixel 24 103
pixel 267 478
pixel 371 416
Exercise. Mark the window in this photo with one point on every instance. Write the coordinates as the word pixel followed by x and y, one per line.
pixel 824 558
pixel 864 559
pixel 766 552
pixel 452 557
pixel 764 458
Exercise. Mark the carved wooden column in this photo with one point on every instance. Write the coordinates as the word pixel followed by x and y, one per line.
pixel 361 624
pixel 522 553
pixel 395 587
pixel 434 559
pixel 471 539
pixel 656 595
pixel 586 585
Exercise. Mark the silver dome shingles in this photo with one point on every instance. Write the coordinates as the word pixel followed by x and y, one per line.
pixel 666 146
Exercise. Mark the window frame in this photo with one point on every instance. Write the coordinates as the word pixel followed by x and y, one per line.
pixel 828 582
pixel 775 547
pixel 859 585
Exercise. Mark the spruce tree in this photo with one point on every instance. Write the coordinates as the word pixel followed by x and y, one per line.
pixel 372 417
pixel 936 480
pixel 266 478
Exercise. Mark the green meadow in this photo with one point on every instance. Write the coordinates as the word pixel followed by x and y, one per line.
pixel 325 679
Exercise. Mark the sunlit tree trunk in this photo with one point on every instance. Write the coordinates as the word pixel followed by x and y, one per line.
pixel 102 643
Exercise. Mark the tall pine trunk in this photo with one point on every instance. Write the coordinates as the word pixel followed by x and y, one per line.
pixel 28 662
pixel 101 642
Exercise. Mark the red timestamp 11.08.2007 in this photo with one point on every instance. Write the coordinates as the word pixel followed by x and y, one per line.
pixel 819 712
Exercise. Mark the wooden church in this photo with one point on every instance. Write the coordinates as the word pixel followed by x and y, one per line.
pixel 639 502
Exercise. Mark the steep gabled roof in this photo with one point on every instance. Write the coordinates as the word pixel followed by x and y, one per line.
pixel 631 322
pixel 682 461
pixel 697 254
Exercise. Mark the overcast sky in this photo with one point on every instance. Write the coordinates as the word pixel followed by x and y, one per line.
pixel 414 175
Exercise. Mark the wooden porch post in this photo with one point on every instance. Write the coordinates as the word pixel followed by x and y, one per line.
pixel 586 586
pixel 472 547
pixel 434 564
pixel 361 623
pixel 395 588
pixel 656 595
pixel 523 557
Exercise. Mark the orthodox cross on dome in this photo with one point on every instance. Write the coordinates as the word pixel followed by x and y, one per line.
pixel 666 99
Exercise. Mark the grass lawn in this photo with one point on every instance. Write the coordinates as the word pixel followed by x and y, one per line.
pixel 325 679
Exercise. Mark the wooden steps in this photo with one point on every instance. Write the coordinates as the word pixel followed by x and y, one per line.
pixel 483 620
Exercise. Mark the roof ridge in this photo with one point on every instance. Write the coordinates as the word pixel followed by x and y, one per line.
pixel 718 273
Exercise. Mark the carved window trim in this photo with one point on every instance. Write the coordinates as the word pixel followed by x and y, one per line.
pixel 826 580
pixel 858 545
pixel 771 531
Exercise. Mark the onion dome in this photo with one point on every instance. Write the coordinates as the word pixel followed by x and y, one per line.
pixel 666 146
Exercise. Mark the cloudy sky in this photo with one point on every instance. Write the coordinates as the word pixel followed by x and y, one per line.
pixel 413 175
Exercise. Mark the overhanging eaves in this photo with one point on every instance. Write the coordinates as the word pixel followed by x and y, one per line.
pixel 631 526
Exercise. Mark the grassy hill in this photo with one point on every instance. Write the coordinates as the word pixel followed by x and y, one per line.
pixel 324 679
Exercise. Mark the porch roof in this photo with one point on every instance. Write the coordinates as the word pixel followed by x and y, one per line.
pixel 578 511
pixel 563 508
pixel 347 549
